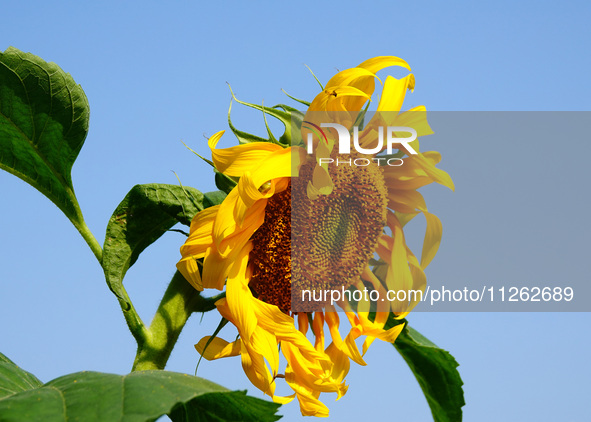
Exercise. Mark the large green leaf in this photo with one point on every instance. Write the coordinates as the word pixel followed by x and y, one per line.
pixel 43 125
pixel 139 396
pixel 437 374
pixel 145 214
pixel 14 379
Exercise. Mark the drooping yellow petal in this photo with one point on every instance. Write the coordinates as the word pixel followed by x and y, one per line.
pixel 309 374
pixel 217 348
pixel 309 403
pixel 200 237
pixel 321 183
pixel 273 320
pixel 215 270
pixel 394 92
pixel 236 160
pixel 303 322
pixel 318 329
pixel 231 230
pixel 347 76
pixel 366 83
pixel 398 276
pixel 406 201
pixel 239 297
pixel 416 118
pixel 324 99
pixel 284 399
pixel 438 175
pixel 265 343
pixel 340 362
pixel 190 270
pixel 375 64
pixel 279 164
pixel 253 364
pixel 432 239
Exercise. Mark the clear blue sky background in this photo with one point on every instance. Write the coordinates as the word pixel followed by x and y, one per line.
pixel 156 73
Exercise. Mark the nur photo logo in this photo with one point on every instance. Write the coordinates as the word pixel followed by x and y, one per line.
pixel 388 139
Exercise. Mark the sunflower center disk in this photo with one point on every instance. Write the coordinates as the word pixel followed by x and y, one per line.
pixel 335 235
pixel 270 258
pixel 332 240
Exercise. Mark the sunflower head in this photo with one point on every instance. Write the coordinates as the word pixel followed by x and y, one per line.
pixel 297 221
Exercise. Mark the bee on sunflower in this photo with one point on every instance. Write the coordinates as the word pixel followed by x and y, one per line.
pixel 297 223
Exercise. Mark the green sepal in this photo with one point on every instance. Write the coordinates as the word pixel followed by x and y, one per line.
pixel 306 103
pixel 225 183
pixel 297 118
pixel 317 80
pixel 281 115
pixel 243 137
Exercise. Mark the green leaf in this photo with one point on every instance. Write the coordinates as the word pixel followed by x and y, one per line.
pixel 43 125
pixel 213 198
pixel 233 406
pixel 139 396
pixel 14 379
pixel 436 371
pixel 145 214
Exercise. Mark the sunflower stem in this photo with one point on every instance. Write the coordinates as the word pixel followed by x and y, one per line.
pixel 134 322
pixel 178 303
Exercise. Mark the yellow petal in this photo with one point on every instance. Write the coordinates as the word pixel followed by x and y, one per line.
pixel 340 361
pixel 438 175
pixel 308 373
pixel 309 403
pixel 394 92
pixel 303 322
pixel 323 100
pixel 347 76
pixel 283 399
pixel 376 64
pixel 279 164
pixel 255 369
pixel 265 343
pixel 416 118
pixel 200 234
pixel 234 161
pixel 215 270
pixel 398 276
pixel 282 326
pixel 217 348
pixel 190 270
pixel 432 239
pixel 318 329
pixel 321 183
pixel 406 201
pixel 232 230
pixel 239 297
pixel 367 84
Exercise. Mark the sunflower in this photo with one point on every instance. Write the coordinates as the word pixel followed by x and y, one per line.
pixel 292 223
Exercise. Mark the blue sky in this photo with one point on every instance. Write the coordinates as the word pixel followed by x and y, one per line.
pixel 156 74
